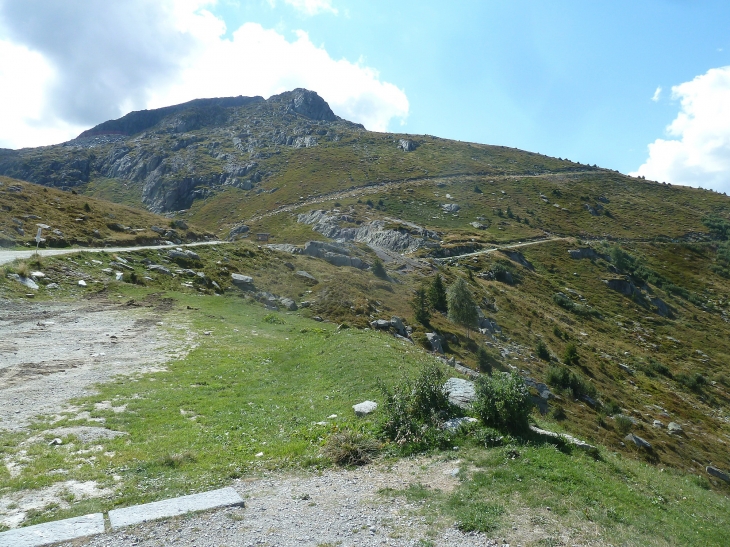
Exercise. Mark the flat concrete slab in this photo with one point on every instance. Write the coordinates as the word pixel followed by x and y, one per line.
pixel 53 532
pixel 225 497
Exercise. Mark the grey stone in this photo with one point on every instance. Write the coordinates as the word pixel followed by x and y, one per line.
pixel 364 408
pixel 407 145
pixel 159 269
pixel 674 427
pixel 638 441
pixel 627 369
pixel 177 254
pixel 715 472
pixel 157 230
pixel 288 303
pixel 285 248
pixel 450 207
pixel 306 276
pixel 564 436
pixel 54 532
pixel 239 230
pixel 121 265
pixel 661 307
pixel 192 254
pixel 82 283
pixel 225 497
pixel 242 281
pixel 455 423
pixel 658 424
pixel 27 281
pixel 436 341
pixel 380 324
pixel 397 324
pixel 624 286
pixel 479 225
pixel 461 392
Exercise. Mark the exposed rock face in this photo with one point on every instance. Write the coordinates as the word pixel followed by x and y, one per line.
pixel 408 239
pixel 624 286
pixel 436 341
pixel 334 254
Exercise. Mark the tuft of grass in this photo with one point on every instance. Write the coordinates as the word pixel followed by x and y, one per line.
pixel 349 448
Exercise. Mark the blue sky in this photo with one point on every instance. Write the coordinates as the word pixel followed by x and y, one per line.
pixel 575 79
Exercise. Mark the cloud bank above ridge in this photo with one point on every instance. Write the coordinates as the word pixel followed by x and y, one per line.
pixel 698 152
pixel 76 63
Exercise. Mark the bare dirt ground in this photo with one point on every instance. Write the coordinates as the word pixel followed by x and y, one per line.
pixel 53 352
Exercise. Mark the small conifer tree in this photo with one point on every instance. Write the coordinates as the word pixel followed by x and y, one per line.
pixel 462 307
pixel 420 306
pixel 437 294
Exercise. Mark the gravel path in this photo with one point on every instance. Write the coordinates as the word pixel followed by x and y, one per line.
pixel 336 507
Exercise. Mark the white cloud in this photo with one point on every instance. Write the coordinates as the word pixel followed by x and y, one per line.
pixel 698 152
pixel 310 7
pixel 657 94
pixel 156 53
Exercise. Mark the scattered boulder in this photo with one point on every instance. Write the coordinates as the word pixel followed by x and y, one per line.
pixel 121 265
pixel 674 428
pixel 285 248
pixel 658 424
pixel 364 408
pixel 27 281
pixel 460 392
pixel 638 441
pixel 380 324
pixel 159 269
pixel 157 230
pixel 450 207
pixel 288 303
pixel 397 324
pixel 180 224
pixel 306 276
pixel 237 231
pixel 715 472
pixel 518 257
pixel 191 254
pixel 242 281
pixel 624 286
pixel 567 438
pixel 407 145
pixel 455 423
pixel 478 225
pixel 585 252
pixel 436 341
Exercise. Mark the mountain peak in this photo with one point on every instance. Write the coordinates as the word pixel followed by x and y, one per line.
pixel 306 103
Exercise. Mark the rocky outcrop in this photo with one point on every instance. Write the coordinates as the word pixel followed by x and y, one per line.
pixel 334 254
pixel 407 145
pixel 460 392
pixel 408 238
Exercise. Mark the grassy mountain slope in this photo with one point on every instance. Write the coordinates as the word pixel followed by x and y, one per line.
pixel 646 308
pixel 76 220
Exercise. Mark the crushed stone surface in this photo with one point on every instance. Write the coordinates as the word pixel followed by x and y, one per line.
pixel 53 352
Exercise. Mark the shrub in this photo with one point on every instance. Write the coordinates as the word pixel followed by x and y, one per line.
pixel 351 448
pixel 484 361
pixel 571 357
pixel 379 269
pixel 542 350
pixel 22 269
pixel 623 424
pixel 415 409
pixel 273 319
pixel 611 407
pixel 503 402
pixel 566 379
pixel 694 381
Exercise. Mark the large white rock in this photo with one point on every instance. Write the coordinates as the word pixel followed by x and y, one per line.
pixel 365 408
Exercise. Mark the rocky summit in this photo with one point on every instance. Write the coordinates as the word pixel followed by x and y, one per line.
pixel 176 154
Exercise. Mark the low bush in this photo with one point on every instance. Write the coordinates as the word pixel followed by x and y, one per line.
pixel 542 350
pixel 350 448
pixel 379 269
pixel 566 379
pixel 503 402
pixel 694 381
pixel 623 424
pixel 415 409
pixel 571 357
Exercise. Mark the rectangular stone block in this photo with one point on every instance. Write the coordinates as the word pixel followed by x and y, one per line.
pixel 128 516
pixel 53 532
